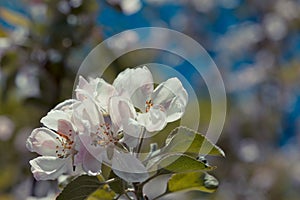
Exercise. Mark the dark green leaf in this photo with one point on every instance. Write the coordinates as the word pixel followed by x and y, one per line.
pixel 190 142
pixel 80 188
pixel 119 185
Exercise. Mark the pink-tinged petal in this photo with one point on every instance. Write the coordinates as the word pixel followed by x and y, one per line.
pixel 49 168
pixel 104 91
pixel 51 119
pixel 80 123
pixel 172 96
pixel 138 83
pixel 154 120
pixel 83 86
pixel 128 167
pixel 42 141
pixel 89 111
pixel 89 163
pixel 95 88
pixel 121 110
pixel 66 128
pixel 82 83
pixel 89 142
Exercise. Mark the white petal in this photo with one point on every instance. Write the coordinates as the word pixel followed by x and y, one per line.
pixel 80 123
pixel 42 141
pixel 48 167
pixel 121 110
pixel 132 130
pixel 130 141
pixel 65 105
pixel 95 88
pixel 104 91
pixel 65 127
pixel 132 127
pixel 83 88
pixel 51 119
pixel 91 165
pixel 154 120
pixel 89 111
pixel 172 97
pixel 128 167
pixel 96 151
pixel 138 83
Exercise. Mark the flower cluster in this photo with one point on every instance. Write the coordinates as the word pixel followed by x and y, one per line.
pixel 104 124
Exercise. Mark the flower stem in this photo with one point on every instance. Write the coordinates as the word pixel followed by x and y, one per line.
pixel 138 191
pixel 127 196
pixel 161 195
pixel 139 145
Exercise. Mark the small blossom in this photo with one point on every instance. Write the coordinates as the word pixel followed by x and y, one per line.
pixel 166 103
pixel 57 148
pixel 57 143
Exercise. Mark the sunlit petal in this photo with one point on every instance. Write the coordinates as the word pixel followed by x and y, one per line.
pixel 51 119
pixel 49 168
pixel 121 110
pixel 42 141
pixel 66 105
pixel 154 120
pixel 172 97
pixel 138 83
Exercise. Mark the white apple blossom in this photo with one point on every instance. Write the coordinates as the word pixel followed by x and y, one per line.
pixel 57 148
pixel 166 103
pixel 101 136
pixel 103 126
pixel 109 101
pixel 58 144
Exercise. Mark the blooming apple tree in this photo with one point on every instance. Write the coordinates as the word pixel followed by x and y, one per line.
pixel 97 140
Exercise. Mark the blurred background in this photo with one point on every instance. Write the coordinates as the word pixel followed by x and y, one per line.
pixel 255 44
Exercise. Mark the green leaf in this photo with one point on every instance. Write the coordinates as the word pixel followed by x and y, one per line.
pixel 105 171
pixel 176 163
pixel 190 142
pixel 199 181
pixel 104 193
pixel 80 188
pixel 118 185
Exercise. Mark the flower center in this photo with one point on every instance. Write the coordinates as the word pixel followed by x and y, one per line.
pixel 65 147
pixel 104 135
pixel 149 104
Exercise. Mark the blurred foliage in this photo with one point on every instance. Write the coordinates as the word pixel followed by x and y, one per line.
pixel 37 71
pixel 255 44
